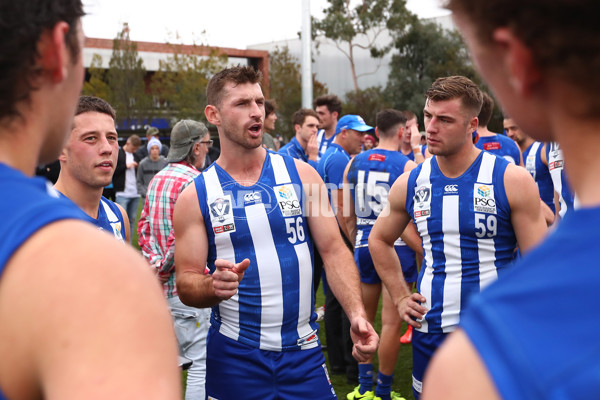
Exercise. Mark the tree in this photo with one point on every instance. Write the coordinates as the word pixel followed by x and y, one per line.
pixel 286 88
pixel 125 78
pixel 426 52
pixel 363 27
pixel 180 83
pixel 366 103
pixel 96 86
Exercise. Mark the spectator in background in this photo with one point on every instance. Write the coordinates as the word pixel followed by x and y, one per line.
pixel 150 166
pixel 369 142
pixel 151 133
pixel 125 180
pixel 190 141
pixel 269 125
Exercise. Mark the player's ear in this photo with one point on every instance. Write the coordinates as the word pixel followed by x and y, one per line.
pixel 53 53
pixel 212 115
pixel 522 70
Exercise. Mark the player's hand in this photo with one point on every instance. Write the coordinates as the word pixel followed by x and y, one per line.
pixel 365 339
pixel 410 309
pixel 415 136
pixel 312 148
pixel 227 277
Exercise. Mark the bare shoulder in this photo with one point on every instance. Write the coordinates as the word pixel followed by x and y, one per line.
pixel 458 372
pixel 98 304
pixel 519 184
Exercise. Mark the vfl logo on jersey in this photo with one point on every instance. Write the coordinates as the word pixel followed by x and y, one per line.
pixel 116 227
pixel 221 215
pixel 451 189
pixel 253 197
pixel 556 164
pixel 287 200
pixel 308 339
pixel 483 199
pixel 422 207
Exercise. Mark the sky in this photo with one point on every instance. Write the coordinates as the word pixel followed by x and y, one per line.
pixel 223 23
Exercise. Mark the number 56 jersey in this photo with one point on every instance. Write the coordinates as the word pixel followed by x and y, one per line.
pixel 468 238
pixel 264 222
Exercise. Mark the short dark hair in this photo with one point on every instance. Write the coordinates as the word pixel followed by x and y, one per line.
pixel 457 87
pixel 332 102
pixel 237 75
pixel 270 107
pixel 134 140
pixel 487 108
pixel 562 35
pixel 21 27
pixel 388 120
pixel 300 116
pixel 95 104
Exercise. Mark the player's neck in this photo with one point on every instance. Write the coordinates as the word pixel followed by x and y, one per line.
pixel 405 148
pixel 453 166
pixel 330 131
pixel 303 143
pixel 21 142
pixel 243 165
pixel 580 141
pixel 87 198
pixel 483 131
pixel 524 144
pixel 388 144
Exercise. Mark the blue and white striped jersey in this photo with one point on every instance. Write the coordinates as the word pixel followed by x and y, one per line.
pixel 468 238
pixel 323 143
pixel 274 307
pixel 556 165
pixel 371 175
pixel 532 158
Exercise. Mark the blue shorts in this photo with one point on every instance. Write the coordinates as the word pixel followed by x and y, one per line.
pixel 238 371
pixel 367 271
pixel 423 347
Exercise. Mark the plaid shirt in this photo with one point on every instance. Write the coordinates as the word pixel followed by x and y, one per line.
pixel 155 228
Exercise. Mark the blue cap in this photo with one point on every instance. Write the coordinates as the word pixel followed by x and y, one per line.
pixel 354 122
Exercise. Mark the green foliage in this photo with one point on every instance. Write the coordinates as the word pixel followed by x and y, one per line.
pixel 362 27
pixel 181 82
pixel 366 103
pixel 425 52
pixel 125 79
pixel 96 86
pixel 285 77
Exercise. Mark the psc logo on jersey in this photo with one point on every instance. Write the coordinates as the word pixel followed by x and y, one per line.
pixel 117 231
pixel 422 207
pixel 221 215
pixel 483 198
pixel 287 200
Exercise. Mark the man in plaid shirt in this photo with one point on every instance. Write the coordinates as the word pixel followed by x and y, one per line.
pixel 190 141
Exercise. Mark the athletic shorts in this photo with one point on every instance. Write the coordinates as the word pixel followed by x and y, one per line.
pixel 237 371
pixel 367 271
pixel 423 347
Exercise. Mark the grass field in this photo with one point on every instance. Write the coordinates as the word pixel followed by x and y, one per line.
pixel 402 374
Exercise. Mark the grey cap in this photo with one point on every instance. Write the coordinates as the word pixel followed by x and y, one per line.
pixel 183 136
pixel 152 131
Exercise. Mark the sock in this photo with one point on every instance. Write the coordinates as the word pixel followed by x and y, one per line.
pixel 384 386
pixel 365 377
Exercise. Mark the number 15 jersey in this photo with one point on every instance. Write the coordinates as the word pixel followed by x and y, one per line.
pixel 468 238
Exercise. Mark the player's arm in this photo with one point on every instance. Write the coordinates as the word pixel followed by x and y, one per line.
pixel 83 318
pixel 524 199
pixel 457 372
pixel 389 226
pixel 347 205
pixel 191 249
pixel 342 274
pixel 127 227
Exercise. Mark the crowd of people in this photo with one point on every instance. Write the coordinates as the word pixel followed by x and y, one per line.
pixel 476 240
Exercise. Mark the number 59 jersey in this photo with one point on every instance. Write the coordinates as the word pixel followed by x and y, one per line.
pixel 264 222
pixel 468 238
